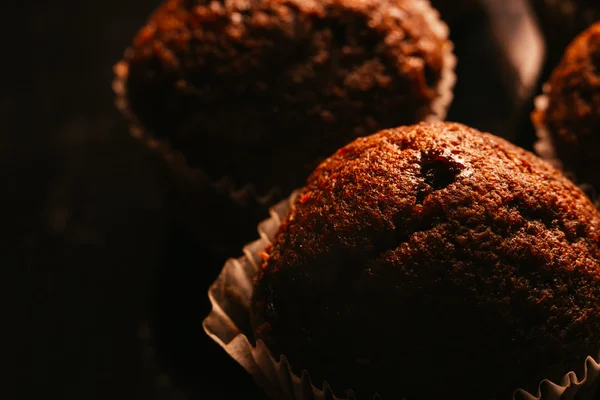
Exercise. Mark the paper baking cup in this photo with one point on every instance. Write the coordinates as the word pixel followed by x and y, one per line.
pixel 228 324
pixel 544 147
pixel 439 107
pixel 191 189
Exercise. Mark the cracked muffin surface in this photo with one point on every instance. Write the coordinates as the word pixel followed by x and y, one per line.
pixel 433 259
pixel 243 87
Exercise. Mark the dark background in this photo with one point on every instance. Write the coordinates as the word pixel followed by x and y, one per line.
pixel 87 249
pixel 88 253
pixel 81 218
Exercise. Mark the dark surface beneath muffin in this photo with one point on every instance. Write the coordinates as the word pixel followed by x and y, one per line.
pixel 429 260
pixel 196 364
pixel 262 91
pixel 572 117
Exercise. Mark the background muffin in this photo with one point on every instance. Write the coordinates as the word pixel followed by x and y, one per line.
pixel 429 260
pixel 259 91
pixel 569 111
pixel 241 98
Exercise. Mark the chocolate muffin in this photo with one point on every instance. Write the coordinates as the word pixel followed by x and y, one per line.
pixel 259 91
pixel 569 111
pixel 562 20
pixel 433 261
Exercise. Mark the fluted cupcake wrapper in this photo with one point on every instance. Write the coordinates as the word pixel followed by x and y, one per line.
pixel 194 195
pixel 439 107
pixel 544 147
pixel 228 324
pixel 569 388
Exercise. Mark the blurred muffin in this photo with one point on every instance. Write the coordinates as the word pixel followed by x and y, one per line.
pixel 244 88
pixel 258 92
pixel 568 113
pixel 433 261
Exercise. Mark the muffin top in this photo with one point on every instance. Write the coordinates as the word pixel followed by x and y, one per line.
pixel 262 90
pixel 572 115
pixel 433 259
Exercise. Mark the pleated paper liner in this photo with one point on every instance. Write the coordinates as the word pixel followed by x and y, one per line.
pixel 544 147
pixel 440 105
pixel 229 322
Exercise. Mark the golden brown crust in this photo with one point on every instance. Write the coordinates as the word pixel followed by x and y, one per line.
pixel 433 259
pixel 572 116
pixel 225 81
